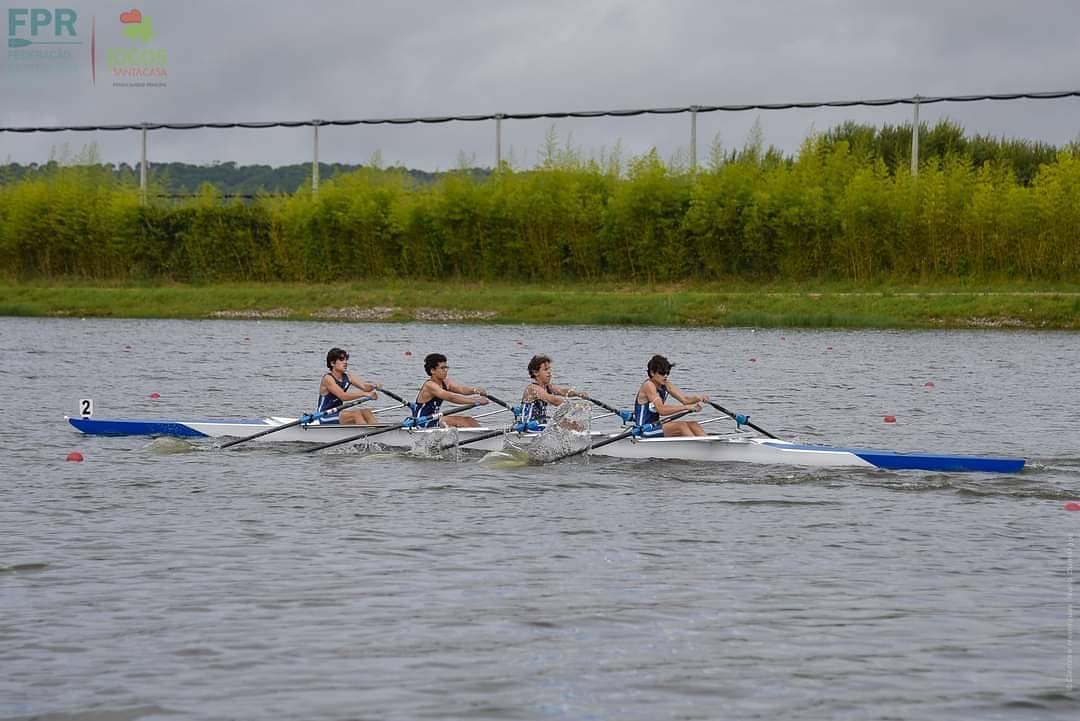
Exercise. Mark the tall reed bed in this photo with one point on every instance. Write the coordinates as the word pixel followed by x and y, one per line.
pixel 839 209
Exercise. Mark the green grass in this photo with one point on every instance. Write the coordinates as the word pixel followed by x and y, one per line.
pixel 796 305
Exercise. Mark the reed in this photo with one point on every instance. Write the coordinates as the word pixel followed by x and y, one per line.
pixel 841 209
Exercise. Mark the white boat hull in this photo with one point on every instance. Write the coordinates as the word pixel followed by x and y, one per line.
pixel 713 448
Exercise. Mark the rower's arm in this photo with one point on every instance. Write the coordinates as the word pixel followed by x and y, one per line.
pixel 334 389
pixel 569 392
pixel 449 395
pixel 364 386
pixel 535 390
pixel 465 390
pixel 667 409
pixel 683 398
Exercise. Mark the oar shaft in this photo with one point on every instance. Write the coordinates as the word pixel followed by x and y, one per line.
pixel 293 424
pixel 363 436
pixel 726 412
pixel 497 401
pixel 491 413
pixel 619 437
pixel 605 406
pixel 475 439
pixel 393 395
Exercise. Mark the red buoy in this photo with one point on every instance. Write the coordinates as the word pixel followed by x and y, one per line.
pixel 1072 506
pixel 155 394
pixel 408 353
pixel 928 384
pixel 890 419
pixel 75 456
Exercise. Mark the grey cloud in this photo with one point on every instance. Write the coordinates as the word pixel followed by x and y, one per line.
pixel 246 60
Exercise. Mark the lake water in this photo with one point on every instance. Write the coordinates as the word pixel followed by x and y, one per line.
pixel 174 580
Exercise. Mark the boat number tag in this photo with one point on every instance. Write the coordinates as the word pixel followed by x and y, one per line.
pixel 86 407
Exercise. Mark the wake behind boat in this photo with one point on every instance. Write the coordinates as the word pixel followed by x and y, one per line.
pixel 731 448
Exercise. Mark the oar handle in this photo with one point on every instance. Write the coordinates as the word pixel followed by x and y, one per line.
pixel 734 416
pixel 306 418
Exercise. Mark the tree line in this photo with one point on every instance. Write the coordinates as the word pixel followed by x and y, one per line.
pixel 845 206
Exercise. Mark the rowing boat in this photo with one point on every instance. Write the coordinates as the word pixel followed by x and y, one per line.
pixel 736 448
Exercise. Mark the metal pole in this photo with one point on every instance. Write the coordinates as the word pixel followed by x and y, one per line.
pixel 498 141
pixel 142 167
pixel 915 141
pixel 315 160
pixel 693 137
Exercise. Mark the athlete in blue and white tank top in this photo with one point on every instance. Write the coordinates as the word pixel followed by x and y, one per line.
pixel 535 410
pixel 541 392
pixel 650 403
pixel 338 387
pixel 646 413
pixel 438 388
pixel 328 401
pixel 427 409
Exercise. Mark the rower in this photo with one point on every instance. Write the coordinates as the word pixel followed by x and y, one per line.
pixel 438 388
pixel 338 386
pixel 541 392
pixel 650 403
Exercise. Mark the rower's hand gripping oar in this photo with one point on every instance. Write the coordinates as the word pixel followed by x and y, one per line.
pixel 408 423
pixel 306 418
pixel 740 419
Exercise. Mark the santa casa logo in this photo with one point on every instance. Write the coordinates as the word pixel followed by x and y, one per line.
pixel 137 27
pixel 137 63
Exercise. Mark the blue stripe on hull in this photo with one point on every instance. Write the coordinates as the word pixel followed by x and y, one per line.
pixel 929 462
pixel 95 427
pixel 897 461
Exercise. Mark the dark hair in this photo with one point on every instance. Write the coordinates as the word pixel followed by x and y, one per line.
pixel 335 354
pixel 535 363
pixel 659 364
pixel 431 360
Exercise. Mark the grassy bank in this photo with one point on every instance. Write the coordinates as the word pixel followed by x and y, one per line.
pixel 823 305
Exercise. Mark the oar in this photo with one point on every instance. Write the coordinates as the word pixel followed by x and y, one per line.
pixel 474 439
pixel 306 418
pixel 504 404
pixel 483 436
pixel 625 415
pixel 618 437
pixel 406 424
pixel 393 395
pixel 740 419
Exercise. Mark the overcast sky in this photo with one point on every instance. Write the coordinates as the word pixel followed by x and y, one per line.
pixel 267 60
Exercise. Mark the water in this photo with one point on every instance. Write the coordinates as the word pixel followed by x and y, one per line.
pixel 161 579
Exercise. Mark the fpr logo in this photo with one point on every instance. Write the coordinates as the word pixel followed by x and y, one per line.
pixel 41 26
pixel 40 40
